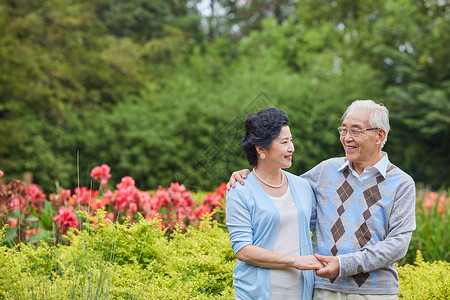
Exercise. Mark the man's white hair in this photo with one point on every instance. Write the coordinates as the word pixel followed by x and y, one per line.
pixel 379 115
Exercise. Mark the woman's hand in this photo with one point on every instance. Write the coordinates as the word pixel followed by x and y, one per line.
pixel 237 176
pixel 308 262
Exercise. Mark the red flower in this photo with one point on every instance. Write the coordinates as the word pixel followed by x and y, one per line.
pixel 65 197
pixel 163 197
pixel 221 190
pixel 199 212
pixel 13 223
pixel 110 216
pixel 83 195
pixel 35 195
pixel 101 174
pixel 32 231
pixel 66 219
pixel 107 198
pixel 212 200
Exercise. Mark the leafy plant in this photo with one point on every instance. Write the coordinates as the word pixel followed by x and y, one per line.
pixel 425 280
pixel 432 226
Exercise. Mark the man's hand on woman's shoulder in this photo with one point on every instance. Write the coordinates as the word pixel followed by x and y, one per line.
pixel 237 176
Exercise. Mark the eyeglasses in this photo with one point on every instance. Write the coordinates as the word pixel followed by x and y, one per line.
pixel 354 131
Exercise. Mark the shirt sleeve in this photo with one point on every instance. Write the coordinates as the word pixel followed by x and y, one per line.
pixel 238 220
pixel 395 245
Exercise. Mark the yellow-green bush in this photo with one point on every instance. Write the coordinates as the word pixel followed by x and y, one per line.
pixel 128 261
pixel 138 261
pixel 425 280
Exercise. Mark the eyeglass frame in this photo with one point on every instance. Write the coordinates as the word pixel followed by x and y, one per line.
pixel 358 131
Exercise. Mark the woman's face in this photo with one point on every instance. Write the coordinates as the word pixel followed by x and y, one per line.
pixel 280 153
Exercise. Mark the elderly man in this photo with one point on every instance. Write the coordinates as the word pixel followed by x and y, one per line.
pixel 365 210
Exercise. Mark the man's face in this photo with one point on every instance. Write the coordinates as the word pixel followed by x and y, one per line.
pixel 362 150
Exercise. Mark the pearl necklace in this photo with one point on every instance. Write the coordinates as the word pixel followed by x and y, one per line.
pixel 268 184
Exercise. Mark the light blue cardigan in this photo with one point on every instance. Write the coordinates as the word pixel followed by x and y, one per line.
pixel 252 218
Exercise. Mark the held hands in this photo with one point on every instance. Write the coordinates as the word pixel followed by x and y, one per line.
pixel 237 176
pixel 308 262
pixel 331 269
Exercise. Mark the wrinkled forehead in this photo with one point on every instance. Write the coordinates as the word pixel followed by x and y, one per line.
pixel 357 118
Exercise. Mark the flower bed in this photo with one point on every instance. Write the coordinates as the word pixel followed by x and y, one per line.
pixel 30 216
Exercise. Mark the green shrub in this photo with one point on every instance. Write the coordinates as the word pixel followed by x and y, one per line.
pixel 425 280
pixel 432 226
pixel 137 261
pixel 122 261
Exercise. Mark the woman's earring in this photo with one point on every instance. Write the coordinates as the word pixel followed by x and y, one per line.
pixel 262 156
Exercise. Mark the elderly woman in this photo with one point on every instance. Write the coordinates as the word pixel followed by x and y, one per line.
pixel 269 217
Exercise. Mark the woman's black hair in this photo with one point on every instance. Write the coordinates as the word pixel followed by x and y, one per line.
pixel 261 128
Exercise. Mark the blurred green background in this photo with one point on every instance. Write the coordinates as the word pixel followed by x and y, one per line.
pixel 159 89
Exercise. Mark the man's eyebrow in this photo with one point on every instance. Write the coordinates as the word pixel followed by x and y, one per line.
pixel 352 126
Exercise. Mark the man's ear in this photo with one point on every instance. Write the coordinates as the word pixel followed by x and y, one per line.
pixel 380 135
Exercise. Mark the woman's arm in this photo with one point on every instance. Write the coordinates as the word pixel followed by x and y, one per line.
pixel 269 259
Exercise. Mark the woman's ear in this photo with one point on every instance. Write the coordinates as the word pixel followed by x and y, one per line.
pixel 260 149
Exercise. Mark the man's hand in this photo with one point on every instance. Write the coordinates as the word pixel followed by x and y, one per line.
pixel 237 176
pixel 331 269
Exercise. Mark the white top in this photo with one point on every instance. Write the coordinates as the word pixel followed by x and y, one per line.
pixel 286 283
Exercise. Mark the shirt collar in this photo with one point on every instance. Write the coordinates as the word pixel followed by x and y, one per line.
pixel 381 165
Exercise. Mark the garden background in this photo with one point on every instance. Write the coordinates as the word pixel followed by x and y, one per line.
pixel 158 91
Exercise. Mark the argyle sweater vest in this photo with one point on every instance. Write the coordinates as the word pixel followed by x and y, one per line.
pixel 368 224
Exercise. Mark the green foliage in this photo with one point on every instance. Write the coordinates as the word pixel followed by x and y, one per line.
pixel 425 280
pixel 122 261
pixel 432 227
pixel 135 84
pixel 137 261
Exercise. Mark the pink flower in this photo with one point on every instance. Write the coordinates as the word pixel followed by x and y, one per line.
pixel 101 174
pixel 212 200
pixel 199 212
pixel 1 173
pixel 443 198
pixel 34 194
pixel 65 196
pixel 66 218
pixel 433 196
pixel 110 216
pixel 163 197
pixel 427 204
pixel 17 203
pixel 126 183
pixel 126 194
pixel 83 195
pixel 107 198
pixel 132 208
